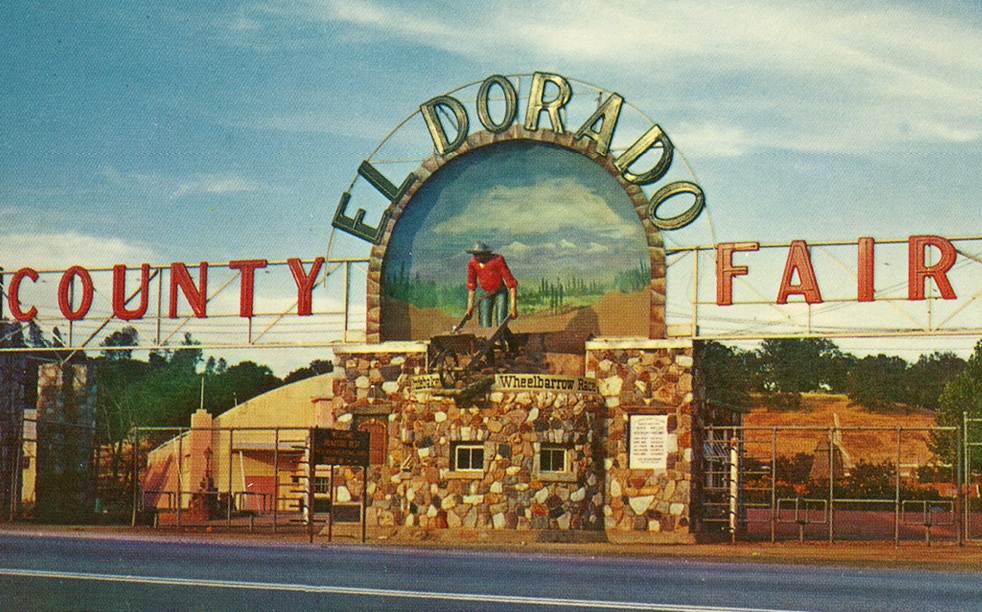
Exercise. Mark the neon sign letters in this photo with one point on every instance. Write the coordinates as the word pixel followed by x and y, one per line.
pixel 598 127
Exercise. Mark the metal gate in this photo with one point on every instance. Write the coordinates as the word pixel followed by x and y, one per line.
pixel 837 484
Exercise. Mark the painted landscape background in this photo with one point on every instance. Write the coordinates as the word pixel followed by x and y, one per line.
pixel 569 233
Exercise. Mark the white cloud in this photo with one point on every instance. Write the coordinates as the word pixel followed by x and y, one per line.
pixel 214 184
pixel 817 76
pixel 554 204
pixel 51 251
pixel 156 185
pixel 710 138
pixel 520 252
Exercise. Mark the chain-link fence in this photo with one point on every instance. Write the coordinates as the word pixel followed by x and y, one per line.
pixel 253 477
pixel 759 482
pixel 836 483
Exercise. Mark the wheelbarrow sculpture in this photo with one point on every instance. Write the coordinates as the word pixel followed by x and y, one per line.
pixel 468 362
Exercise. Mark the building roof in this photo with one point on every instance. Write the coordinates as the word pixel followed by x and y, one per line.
pixel 293 405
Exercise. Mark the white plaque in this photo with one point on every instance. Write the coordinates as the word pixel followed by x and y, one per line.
pixel 649 441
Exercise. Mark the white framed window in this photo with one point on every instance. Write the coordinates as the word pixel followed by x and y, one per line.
pixel 553 458
pixel 468 457
pixel 554 462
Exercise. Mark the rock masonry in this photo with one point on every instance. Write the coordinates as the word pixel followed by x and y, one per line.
pixel 418 486
pixel 651 377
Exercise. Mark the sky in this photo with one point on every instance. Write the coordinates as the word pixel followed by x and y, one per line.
pixel 168 131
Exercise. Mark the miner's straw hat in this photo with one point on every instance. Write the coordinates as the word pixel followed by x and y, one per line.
pixel 479 247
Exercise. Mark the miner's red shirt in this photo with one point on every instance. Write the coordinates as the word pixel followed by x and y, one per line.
pixel 489 274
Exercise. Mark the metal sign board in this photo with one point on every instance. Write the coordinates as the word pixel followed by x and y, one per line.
pixel 341 447
pixel 649 441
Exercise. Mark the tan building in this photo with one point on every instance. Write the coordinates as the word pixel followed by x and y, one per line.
pixel 239 451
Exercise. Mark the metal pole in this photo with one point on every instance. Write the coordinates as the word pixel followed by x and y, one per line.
pixel 961 505
pixel 773 485
pixel 228 514
pixel 276 475
pixel 330 515
pixel 695 292
pixel 896 499
pixel 733 485
pixel 965 467
pixel 310 486
pixel 831 485
pixel 347 297
pixel 136 473
pixel 364 501
pixel 180 471
pixel 160 294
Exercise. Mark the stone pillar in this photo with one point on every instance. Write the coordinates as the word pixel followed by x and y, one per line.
pixel 647 377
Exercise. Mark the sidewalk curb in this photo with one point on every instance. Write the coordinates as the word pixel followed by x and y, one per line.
pixel 879 555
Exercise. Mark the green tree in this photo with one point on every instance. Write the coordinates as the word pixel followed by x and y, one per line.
pixel 126 337
pixel 728 376
pixel 878 382
pixel 316 368
pixel 962 394
pixel 927 378
pixel 236 384
pixel 792 366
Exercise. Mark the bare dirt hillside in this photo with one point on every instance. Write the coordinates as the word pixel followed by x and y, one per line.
pixel 819 411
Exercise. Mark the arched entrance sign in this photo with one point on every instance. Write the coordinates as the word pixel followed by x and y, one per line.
pixel 567 210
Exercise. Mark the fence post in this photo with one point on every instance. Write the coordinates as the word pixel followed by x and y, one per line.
pixel 136 473
pixel 276 476
pixel 734 484
pixel 180 473
pixel 231 463
pixel 831 485
pixel 773 485
pixel 963 468
pixel 896 502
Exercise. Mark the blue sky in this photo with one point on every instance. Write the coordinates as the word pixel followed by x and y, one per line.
pixel 188 131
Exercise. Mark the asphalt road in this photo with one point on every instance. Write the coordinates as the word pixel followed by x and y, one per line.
pixel 59 573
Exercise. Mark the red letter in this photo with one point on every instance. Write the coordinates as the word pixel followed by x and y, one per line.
pixel 800 260
pixel 67 281
pixel 305 283
pixel 865 271
pixel 725 270
pixel 12 299
pixel 197 297
pixel 248 268
pixel 119 293
pixel 919 270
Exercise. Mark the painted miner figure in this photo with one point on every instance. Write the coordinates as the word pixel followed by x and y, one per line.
pixel 488 273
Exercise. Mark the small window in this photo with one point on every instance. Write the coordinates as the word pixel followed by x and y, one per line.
pixel 552 458
pixel 322 484
pixel 469 457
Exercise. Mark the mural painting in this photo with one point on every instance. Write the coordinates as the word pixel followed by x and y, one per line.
pixel 567 230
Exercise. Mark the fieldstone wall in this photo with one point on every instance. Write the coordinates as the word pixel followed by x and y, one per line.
pixel 599 492
pixel 649 377
pixel 419 487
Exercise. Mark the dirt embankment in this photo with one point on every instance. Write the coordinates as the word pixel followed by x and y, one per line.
pixel 864 435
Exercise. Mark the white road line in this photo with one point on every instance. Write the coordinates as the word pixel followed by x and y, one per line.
pixel 339 590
